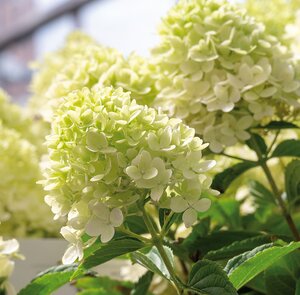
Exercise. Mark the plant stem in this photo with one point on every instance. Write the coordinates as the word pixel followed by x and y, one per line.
pixel 133 235
pixel 276 192
pixel 234 157
pixel 164 230
pixel 157 242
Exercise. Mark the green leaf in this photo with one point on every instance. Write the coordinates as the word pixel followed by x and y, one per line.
pixel 297 292
pixel 238 247
pixel 242 268
pixel 283 275
pixel 136 224
pixel 223 180
pixel 276 125
pixel 142 286
pixel 292 181
pixel 102 286
pixel 203 244
pixel 263 200
pixel 287 148
pixel 207 277
pixel 259 143
pixel 50 280
pixel 113 249
pixel 151 259
pixel 260 192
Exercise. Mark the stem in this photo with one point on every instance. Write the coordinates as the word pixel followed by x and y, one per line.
pixel 157 242
pixel 276 192
pixel 133 235
pixel 164 230
pixel 273 142
pixel 234 157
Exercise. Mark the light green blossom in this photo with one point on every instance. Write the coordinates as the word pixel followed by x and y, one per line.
pixel 83 63
pixel 101 166
pixel 22 210
pixel 213 59
pixel 279 17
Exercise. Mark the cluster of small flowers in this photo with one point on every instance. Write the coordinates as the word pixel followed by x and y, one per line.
pixel 219 71
pixel 107 152
pixel 8 250
pixel 281 18
pixel 22 210
pixel 83 63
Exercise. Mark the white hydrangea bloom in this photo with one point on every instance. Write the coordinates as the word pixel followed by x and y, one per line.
pixel 106 152
pixel 214 60
pixel 22 209
pixel 82 62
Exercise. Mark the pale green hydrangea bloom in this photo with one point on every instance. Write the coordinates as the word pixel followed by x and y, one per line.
pixel 83 63
pixel 107 152
pixel 280 18
pixel 14 117
pixel 9 249
pixel 22 210
pixel 219 71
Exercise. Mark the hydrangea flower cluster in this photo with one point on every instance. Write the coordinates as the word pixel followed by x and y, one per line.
pixel 22 210
pixel 107 152
pixel 280 17
pixel 8 250
pixel 20 120
pixel 219 71
pixel 83 63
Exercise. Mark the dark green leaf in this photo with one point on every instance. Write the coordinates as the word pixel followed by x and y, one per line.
pixel 151 259
pixel 136 224
pixel 258 284
pixel 282 276
pixel 50 280
pixel 223 180
pixel 297 292
pixel 242 268
pixel 275 125
pixel 292 181
pixel 260 192
pixel 263 201
pixel 142 286
pixel 102 285
pixel 214 241
pixel 238 247
pixel 287 148
pixel 207 277
pixel 257 142
pixel 113 249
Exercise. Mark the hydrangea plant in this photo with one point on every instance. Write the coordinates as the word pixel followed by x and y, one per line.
pixel 221 72
pixel 107 154
pixel 132 182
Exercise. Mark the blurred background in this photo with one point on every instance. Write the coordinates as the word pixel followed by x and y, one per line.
pixel 31 28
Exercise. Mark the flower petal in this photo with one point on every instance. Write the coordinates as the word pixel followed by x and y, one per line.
pixel 178 204
pixel 202 205
pixel 189 217
pixel 116 217
pixel 107 234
